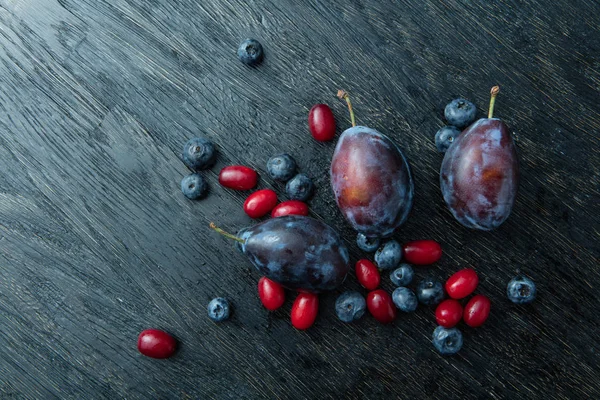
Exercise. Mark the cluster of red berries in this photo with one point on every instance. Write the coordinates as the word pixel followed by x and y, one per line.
pixel 459 286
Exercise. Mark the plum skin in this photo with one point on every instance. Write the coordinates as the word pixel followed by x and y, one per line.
pixel 298 252
pixel 479 176
pixel 371 181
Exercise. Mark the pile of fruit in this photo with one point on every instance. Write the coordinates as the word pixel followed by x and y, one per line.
pixel 373 188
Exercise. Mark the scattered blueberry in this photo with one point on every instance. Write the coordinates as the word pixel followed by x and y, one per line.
pixel 447 341
pixel 299 187
pixel 445 137
pixel 250 52
pixel 281 167
pixel 430 291
pixel 405 299
pixel 218 309
pixel 402 275
pixel 366 243
pixel 350 306
pixel 198 153
pixel 460 113
pixel 521 290
pixel 194 186
pixel 389 255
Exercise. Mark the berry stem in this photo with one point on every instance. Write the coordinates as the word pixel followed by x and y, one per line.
pixel 226 234
pixel 343 95
pixel 494 92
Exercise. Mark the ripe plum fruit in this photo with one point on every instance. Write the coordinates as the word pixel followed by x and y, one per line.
pixel 371 180
pixel 296 251
pixel 480 172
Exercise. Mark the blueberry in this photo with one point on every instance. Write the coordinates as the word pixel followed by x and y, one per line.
pixel 198 153
pixel 366 243
pixel 250 52
pixel 218 309
pixel 521 290
pixel 430 291
pixel 299 187
pixel 402 275
pixel 460 113
pixel 350 306
pixel 445 137
pixel 405 299
pixel 281 167
pixel 194 186
pixel 447 341
pixel 389 255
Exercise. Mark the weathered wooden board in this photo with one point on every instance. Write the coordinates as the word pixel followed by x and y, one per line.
pixel 97 243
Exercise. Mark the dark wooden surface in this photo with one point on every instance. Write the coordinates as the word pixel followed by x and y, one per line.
pixel 97 243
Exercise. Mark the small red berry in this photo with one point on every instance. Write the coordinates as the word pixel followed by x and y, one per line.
pixel 421 252
pixel 367 274
pixel 462 283
pixel 477 311
pixel 381 306
pixel 238 177
pixel 156 343
pixel 304 310
pixel 271 293
pixel 259 203
pixel 321 122
pixel 290 207
pixel 448 313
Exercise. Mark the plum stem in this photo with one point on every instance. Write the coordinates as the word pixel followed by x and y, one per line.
pixel 494 92
pixel 343 95
pixel 226 234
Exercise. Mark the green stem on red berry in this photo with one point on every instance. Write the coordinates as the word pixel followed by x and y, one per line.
pixel 343 95
pixel 494 92
pixel 226 234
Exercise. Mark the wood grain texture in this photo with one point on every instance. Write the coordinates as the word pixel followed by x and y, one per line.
pixel 97 243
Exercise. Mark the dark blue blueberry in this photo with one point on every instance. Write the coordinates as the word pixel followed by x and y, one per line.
pixel 389 255
pixel 218 309
pixel 299 187
pixel 460 113
pixel 402 276
pixel 521 290
pixel 281 167
pixel 430 291
pixel 250 52
pixel 367 244
pixel 194 186
pixel 447 341
pixel 198 153
pixel 405 299
pixel 350 306
pixel 445 137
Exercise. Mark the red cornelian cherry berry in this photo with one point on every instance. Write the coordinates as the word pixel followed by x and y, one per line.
pixel 238 177
pixel 259 203
pixel 477 311
pixel 381 306
pixel 448 313
pixel 321 122
pixel 462 283
pixel 367 274
pixel 421 252
pixel 305 310
pixel 290 207
pixel 156 343
pixel 271 293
